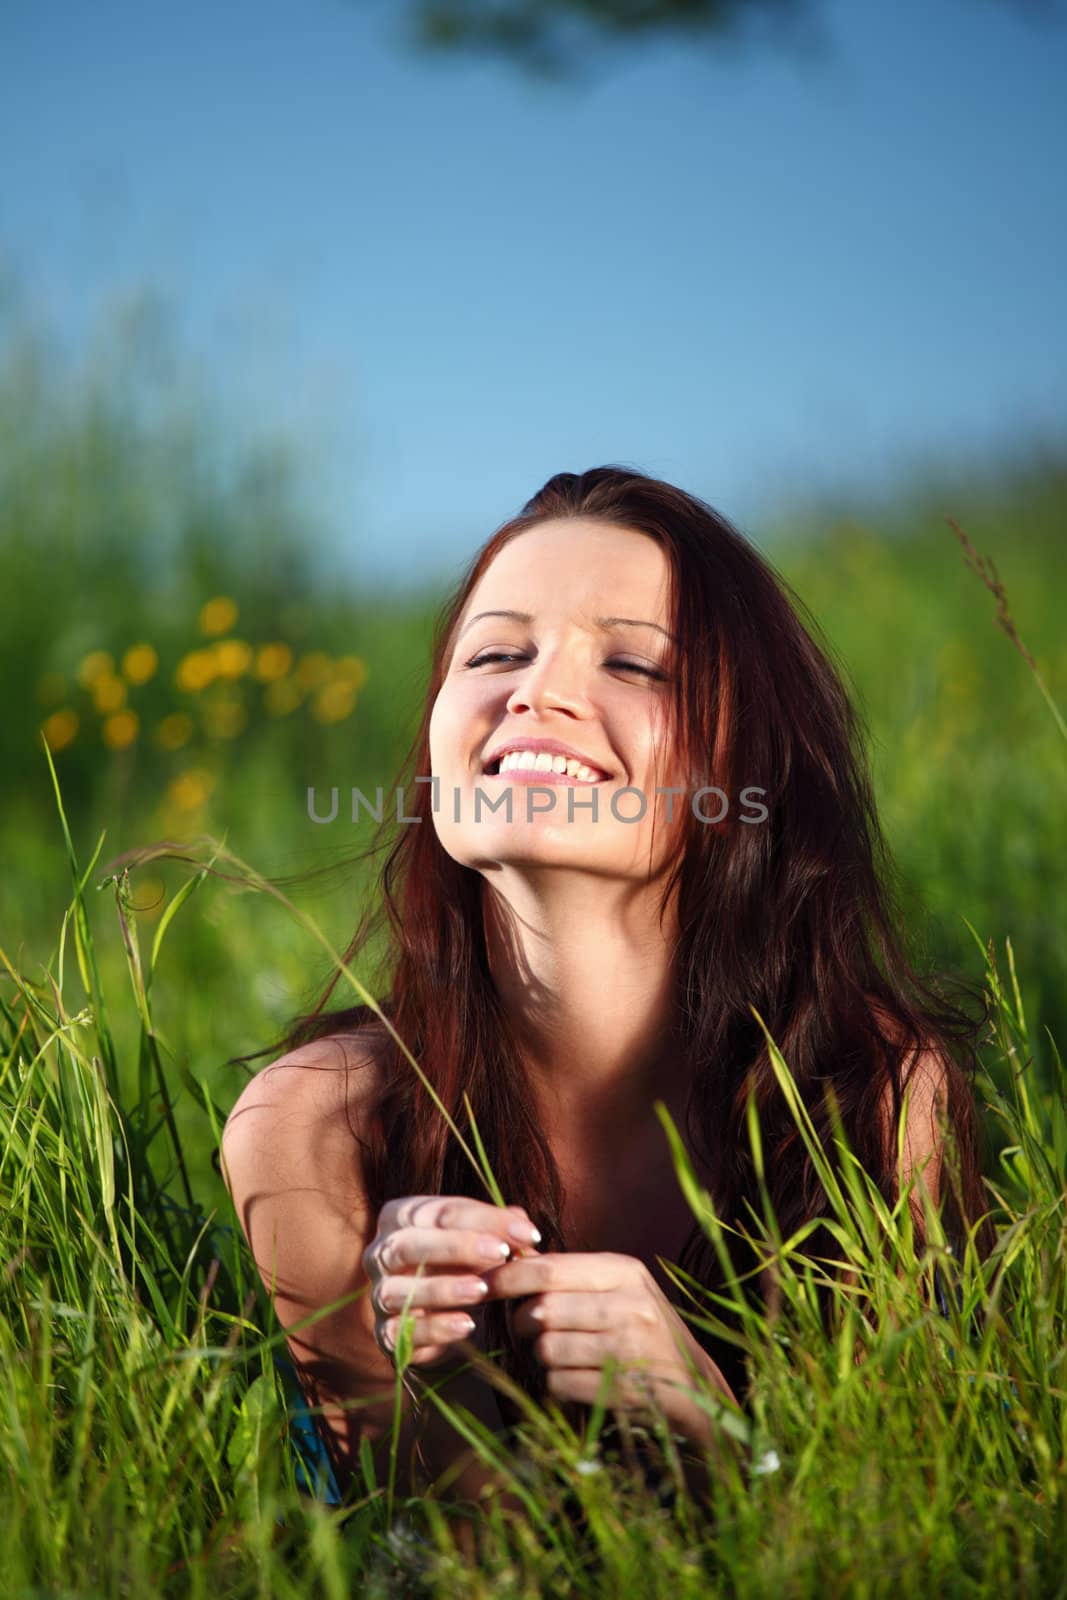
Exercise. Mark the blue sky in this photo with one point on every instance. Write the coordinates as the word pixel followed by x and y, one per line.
pixel 760 274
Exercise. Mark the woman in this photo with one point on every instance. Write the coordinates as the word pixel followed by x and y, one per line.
pixel 691 835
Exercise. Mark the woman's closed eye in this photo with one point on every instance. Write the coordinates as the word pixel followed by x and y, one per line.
pixel 628 666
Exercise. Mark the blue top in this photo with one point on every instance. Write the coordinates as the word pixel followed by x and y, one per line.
pixel 314 1470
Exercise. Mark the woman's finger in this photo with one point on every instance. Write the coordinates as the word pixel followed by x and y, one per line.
pixel 429 1328
pixel 428 1291
pixel 441 1247
pixel 458 1212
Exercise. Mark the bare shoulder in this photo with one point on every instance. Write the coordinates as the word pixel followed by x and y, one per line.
pixel 924 1084
pixel 310 1104
pixel 326 1073
pixel 924 1069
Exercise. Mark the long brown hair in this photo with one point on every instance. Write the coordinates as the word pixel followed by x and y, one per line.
pixel 796 917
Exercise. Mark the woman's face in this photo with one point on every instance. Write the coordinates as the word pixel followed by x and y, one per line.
pixel 563 650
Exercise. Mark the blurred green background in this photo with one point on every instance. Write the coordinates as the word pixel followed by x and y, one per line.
pixel 166 624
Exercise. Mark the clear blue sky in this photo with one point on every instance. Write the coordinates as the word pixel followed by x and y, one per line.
pixel 758 275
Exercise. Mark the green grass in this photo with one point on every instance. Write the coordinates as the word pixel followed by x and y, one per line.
pixel 142 1448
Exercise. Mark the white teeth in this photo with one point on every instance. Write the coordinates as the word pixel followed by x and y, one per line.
pixel 545 761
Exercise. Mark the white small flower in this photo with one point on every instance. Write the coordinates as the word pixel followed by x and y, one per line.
pixel 768 1462
pixel 587 1468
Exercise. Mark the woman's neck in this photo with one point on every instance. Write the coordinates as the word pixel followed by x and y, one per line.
pixel 585 973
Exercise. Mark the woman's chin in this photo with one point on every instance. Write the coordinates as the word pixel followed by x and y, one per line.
pixel 531 848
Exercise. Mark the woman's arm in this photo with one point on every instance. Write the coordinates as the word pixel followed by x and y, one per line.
pixel 293 1168
pixel 925 1081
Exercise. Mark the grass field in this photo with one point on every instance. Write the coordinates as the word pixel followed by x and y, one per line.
pixel 194 673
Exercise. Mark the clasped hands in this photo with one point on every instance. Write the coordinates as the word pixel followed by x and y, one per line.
pixel 581 1310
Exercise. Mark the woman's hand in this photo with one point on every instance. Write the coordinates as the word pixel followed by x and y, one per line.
pixel 586 1308
pixel 430 1253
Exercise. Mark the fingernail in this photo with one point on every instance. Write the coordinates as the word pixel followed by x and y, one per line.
pixel 474 1288
pixel 525 1232
pixel 463 1324
pixel 494 1249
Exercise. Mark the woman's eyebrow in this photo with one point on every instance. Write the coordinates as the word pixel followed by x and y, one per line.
pixel 602 622
pixel 632 622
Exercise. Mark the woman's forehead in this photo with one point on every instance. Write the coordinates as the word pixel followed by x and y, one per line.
pixel 577 565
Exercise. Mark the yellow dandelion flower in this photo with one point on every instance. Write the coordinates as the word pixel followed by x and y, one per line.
pixel 281 697
pixel 98 664
pixel 195 671
pixel 333 702
pixel 218 615
pixel 51 686
pixel 139 663
pixel 120 730
pixel 61 728
pixel 175 730
pixel 313 669
pixel 224 719
pixel 109 694
pixel 232 658
pixel 273 661
pixel 191 789
pixel 350 669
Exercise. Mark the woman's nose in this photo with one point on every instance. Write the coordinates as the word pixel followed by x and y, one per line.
pixel 554 681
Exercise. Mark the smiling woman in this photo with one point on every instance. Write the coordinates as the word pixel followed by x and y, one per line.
pixel 604 682
pixel 561 968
